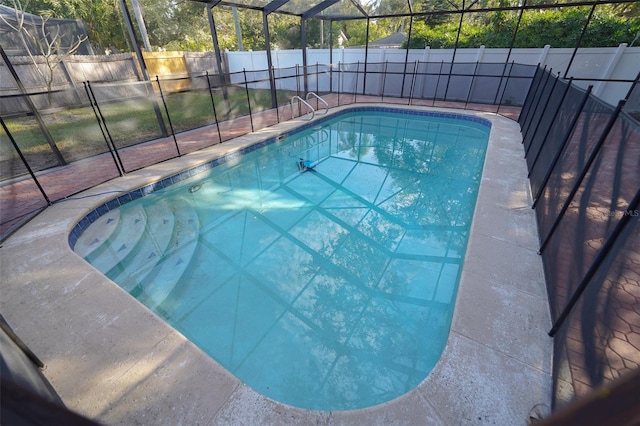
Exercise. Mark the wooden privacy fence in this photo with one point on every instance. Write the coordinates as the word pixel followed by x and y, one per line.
pixel 123 67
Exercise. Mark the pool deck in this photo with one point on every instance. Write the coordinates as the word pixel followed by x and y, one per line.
pixel 114 361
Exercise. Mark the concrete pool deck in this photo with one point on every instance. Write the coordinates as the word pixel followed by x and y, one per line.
pixel 114 361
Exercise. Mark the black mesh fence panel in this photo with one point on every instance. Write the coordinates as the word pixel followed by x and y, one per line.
pixel 537 86
pixel 187 108
pixel 392 80
pixel 372 79
pixel 442 81
pixel 548 118
pixel 20 206
pixel 360 77
pixel 459 83
pixel 598 341
pixel 632 106
pixel 588 177
pixel 429 77
pixel 286 79
pixel 554 143
pixel 68 137
pixel 260 101
pixel 590 126
pixel 486 83
pixel 518 82
pixel 22 198
pixel 409 78
pixel 605 192
pixel 33 144
pixel 540 107
pixel 528 102
pixel 133 112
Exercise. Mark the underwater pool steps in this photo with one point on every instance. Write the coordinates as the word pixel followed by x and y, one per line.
pixel 95 236
pixel 177 259
pixel 145 237
pixel 121 241
pixel 149 250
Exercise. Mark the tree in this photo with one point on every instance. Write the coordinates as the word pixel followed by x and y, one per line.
pixel 559 27
pixel 285 31
pixel 177 25
pixel 40 39
pixel 434 9
pixel 102 19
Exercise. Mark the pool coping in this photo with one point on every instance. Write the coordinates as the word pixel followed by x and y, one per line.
pixel 113 360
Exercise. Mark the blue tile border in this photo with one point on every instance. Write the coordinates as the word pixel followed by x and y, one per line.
pixel 115 203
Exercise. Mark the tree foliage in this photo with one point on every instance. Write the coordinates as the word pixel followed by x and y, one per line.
pixel 556 27
pixel 102 19
pixel 183 25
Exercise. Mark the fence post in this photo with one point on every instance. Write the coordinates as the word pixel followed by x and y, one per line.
pixel 246 89
pixel 413 81
pixel 435 93
pixel 446 87
pixel 404 77
pixel 166 110
pixel 504 69
pixel 613 62
pixel 384 78
pixel 102 123
pixel 473 79
pixel 6 328
pixel 213 104
pixel 366 59
pixel 506 84
pixel 339 81
pixel 330 71
pixel 272 76
pixel 583 173
pixel 355 92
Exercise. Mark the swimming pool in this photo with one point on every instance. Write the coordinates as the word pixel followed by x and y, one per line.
pixel 330 288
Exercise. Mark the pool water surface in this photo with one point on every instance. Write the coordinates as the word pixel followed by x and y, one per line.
pixel 326 286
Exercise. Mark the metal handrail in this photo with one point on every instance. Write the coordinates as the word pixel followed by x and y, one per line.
pixel 313 111
pixel 326 105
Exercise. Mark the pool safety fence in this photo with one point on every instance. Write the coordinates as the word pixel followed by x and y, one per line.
pixel 60 142
pixel 583 158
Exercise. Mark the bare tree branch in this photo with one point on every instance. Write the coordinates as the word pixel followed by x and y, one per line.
pixel 42 42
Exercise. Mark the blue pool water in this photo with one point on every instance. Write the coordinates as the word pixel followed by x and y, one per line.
pixel 330 287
